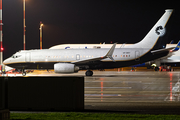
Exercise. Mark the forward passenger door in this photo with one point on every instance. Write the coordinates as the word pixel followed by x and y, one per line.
pixel 28 57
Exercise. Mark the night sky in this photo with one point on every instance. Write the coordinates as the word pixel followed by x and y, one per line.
pixel 83 21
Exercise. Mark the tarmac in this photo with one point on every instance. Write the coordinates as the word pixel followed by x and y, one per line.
pixel 145 92
pixel 141 92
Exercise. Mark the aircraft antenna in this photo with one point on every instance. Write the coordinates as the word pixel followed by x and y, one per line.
pixel 122 45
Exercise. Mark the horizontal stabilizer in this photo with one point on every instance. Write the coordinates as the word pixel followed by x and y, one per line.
pixel 162 50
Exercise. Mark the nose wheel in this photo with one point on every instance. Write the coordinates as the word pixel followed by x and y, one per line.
pixel 23 73
pixel 89 73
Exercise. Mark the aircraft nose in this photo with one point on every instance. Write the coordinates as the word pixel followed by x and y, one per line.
pixel 5 61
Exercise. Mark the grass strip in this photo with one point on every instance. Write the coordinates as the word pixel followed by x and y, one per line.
pixel 89 116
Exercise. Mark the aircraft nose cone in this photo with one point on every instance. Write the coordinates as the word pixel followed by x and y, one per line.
pixel 5 62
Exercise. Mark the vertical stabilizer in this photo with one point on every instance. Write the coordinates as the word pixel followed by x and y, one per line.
pixel 156 34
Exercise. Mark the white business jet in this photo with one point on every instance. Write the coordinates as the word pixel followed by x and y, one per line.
pixel 73 60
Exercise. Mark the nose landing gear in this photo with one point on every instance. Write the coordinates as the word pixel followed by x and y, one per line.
pixel 23 73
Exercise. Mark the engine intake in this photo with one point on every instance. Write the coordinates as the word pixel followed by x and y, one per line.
pixel 65 68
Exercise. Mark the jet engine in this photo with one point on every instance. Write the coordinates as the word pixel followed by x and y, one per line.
pixel 65 68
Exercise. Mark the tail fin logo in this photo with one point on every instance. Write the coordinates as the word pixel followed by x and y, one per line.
pixel 160 31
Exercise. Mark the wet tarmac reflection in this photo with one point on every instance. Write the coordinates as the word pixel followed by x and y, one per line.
pixel 133 87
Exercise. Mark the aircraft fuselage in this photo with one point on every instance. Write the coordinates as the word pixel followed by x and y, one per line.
pixel 45 59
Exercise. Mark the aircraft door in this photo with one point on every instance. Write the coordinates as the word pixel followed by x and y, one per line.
pixel 28 57
pixel 137 55
pixel 77 57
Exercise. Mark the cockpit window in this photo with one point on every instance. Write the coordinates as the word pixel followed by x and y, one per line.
pixel 16 56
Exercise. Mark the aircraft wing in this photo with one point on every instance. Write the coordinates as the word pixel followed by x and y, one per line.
pixel 108 55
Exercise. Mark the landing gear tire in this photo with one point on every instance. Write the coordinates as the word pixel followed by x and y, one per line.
pixel 156 69
pixel 89 73
pixel 24 73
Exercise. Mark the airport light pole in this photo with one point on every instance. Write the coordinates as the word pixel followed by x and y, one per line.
pixel 24 35
pixel 1 42
pixel 41 25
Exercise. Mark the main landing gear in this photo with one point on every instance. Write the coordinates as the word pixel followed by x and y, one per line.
pixel 156 68
pixel 89 73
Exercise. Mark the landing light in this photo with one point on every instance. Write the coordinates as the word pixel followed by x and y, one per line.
pixel 154 65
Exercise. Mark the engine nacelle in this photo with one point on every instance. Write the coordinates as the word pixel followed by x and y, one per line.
pixel 65 68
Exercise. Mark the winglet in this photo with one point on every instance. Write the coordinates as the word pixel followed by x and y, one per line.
pixel 177 47
pixel 110 53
